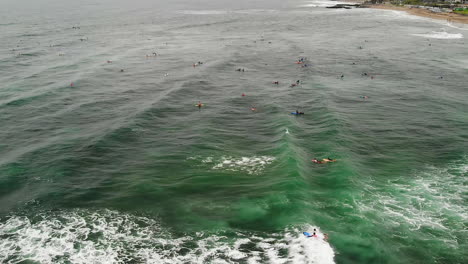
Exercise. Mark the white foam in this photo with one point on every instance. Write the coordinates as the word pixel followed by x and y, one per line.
pixel 204 12
pixel 112 237
pixel 251 165
pixel 400 14
pixel 322 3
pixel 452 25
pixel 432 199
pixel 440 35
pixel 224 12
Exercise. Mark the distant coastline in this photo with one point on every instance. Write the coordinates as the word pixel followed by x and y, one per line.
pixel 449 16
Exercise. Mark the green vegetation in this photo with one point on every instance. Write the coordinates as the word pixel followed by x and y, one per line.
pixel 412 2
pixel 440 4
pixel 461 11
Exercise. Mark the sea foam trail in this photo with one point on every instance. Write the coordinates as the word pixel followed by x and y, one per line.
pixel 250 165
pixel 440 35
pixel 321 3
pixel 111 237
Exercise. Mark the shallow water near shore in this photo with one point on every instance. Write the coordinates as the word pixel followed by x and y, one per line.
pixel 109 166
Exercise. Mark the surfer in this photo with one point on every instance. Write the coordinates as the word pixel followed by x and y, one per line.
pixel 309 235
pixel 298 81
pixel 276 82
pixel 323 161
pixel 297 113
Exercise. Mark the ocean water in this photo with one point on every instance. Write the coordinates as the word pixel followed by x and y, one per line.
pixel 103 166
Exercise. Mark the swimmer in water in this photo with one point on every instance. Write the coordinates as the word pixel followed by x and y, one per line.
pixel 199 105
pixel 253 109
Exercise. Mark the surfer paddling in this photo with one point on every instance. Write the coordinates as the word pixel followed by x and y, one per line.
pixel 323 161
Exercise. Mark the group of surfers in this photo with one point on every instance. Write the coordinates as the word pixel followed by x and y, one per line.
pixel 253 108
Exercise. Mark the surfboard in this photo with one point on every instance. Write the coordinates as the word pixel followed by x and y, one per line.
pixel 294 113
pixel 306 234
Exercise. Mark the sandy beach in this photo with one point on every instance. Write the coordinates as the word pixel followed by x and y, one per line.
pixel 452 17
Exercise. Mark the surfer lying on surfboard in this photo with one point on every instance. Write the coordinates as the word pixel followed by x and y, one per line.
pixel 297 113
pixel 323 161
pixel 309 235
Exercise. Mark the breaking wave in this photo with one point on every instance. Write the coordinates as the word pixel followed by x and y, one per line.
pixel 82 236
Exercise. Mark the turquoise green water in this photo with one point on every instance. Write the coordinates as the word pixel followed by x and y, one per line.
pixel 122 167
